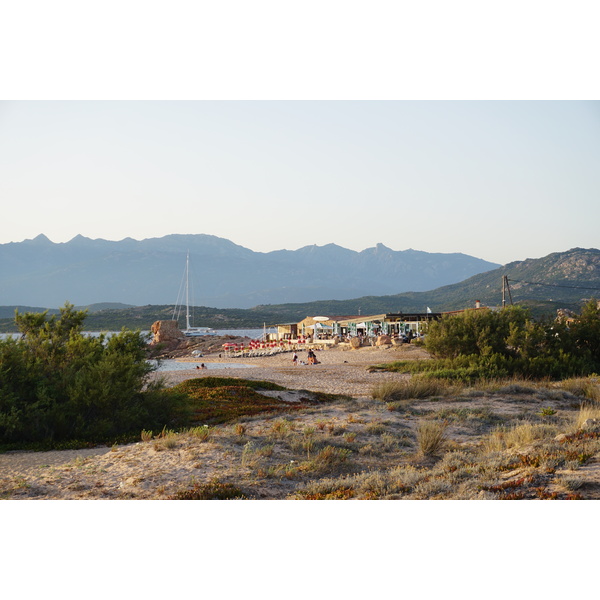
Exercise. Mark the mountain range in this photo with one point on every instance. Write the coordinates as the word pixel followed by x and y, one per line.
pixel 559 280
pixel 39 272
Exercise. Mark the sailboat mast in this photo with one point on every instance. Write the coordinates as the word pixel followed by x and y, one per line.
pixel 187 291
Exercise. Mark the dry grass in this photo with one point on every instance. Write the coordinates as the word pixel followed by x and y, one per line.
pixel 587 388
pixel 431 436
pixel 356 449
pixel 586 411
pixel 412 389
pixel 167 440
pixel 517 436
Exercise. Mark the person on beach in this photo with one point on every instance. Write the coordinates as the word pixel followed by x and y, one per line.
pixel 295 359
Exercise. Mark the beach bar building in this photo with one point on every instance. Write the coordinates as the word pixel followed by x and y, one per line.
pixel 322 328
pixel 287 331
pixel 392 324
pixel 317 328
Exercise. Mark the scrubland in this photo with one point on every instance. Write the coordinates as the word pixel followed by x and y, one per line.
pixel 384 436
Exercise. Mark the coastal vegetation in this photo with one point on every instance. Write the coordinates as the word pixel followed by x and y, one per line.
pixel 485 344
pixel 60 388
pixel 427 436
pixel 504 440
pixel 58 385
pixel 142 317
pixel 212 400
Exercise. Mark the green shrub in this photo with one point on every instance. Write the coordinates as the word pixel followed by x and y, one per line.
pixel 58 384
pixel 486 344
pixel 192 385
pixel 222 399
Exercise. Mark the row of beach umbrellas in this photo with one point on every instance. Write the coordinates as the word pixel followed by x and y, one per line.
pixel 259 345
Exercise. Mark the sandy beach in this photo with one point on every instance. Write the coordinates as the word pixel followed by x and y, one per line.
pixel 341 370
pixel 279 456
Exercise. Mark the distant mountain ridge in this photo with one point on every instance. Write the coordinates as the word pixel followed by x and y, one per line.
pixel 83 271
pixel 559 280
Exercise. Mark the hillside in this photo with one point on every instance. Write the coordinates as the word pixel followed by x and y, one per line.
pixel 83 271
pixel 559 280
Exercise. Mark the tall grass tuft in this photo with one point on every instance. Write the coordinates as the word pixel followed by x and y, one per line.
pixel 328 458
pixel 431 436
pixel 413 388
pixel 213 490
pixel 146 436
pixel 517 436
pixel 202 432
pixel 586 411
pixel 583 387
pixel 167 440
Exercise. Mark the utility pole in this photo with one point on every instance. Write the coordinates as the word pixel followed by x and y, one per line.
pixel 505 288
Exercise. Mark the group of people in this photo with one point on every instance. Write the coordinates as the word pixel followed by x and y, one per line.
pixel 311 358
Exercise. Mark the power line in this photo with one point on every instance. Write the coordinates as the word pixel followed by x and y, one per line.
pixel 569 287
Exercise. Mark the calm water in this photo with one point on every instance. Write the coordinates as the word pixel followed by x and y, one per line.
pixel 251 333
pixel 173 365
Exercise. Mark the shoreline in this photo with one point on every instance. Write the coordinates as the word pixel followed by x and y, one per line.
pixel 340 370
pixel 137 470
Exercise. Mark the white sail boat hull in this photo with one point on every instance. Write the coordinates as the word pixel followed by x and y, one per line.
pixel 198 331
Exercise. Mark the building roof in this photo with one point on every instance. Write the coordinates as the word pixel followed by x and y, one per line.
pixel 395 316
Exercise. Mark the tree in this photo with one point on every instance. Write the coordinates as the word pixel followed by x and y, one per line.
pixel 510 342
pixel 481 332
pixel 57 383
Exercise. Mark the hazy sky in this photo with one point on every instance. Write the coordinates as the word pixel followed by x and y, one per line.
pixel 501 181
pixel 498 180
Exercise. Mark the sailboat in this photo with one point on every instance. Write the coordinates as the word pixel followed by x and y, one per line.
pixel 190 331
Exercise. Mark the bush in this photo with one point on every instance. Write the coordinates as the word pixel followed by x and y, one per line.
pixel 57 384
pixel 486 344
pixel 213 490
pixel 222 399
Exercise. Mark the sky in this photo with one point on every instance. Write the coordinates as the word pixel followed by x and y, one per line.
pixel 442 128
pixel 459 126
pixel 499 180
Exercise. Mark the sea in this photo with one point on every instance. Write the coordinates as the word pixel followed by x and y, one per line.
pixel 173 365
pixel 251 333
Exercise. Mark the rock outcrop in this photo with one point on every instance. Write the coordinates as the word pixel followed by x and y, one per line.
pixel 383 340
pixel 166 332
pixel 355 343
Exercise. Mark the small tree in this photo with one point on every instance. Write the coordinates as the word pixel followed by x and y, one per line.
pixel 56 383
pixel 585 333
pixel 477 332
pixel 510 342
